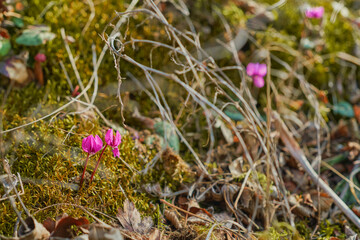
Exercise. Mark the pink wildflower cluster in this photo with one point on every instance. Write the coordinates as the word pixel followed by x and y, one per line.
pixel 92 145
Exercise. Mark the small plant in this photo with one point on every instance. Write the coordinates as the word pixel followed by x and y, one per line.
pixel 91 145
pixel 110 141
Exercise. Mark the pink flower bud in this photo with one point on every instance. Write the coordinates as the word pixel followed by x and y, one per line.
pixel 40 57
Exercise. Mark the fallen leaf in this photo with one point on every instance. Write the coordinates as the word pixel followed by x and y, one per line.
pixel 357 112
pixel 172 217
pixel 36 230
pixel 64 226
pixel 15 68
pixel 131 220
pixel 100 232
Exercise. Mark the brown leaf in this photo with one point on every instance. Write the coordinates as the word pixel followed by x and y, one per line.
pixel 246 196
pixel 156 235
pixel 357 112
pixel 131 220
pixel 49 224
pixel 199 220
pixel 193 206
pixel 15 68
pixel 356 210
pixel 353 148
pixel 37 230
pixel 171 216
pixel 325 200
pixel 64 227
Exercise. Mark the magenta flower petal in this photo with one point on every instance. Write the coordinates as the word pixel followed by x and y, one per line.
pixel 316 12
pixel 251 69
pixel 116 152
pixel 262 70
pixel 98 144
pixel 87 143
pixel 109 137
pixel 84 145
pixel 117 140
pixel 258 81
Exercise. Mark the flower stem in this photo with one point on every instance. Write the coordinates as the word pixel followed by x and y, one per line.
pixel 82 177
pixel 97 164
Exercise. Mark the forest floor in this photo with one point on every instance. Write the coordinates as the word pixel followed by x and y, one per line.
pixel 179 119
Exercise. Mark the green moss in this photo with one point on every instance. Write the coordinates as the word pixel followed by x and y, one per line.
pixel 235 15
pixel 280 230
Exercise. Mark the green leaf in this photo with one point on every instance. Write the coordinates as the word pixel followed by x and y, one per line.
pixel 165 130
pixel 233 113
pixel 344 109
pixel 18 22
pixel 5 47
pixel 35 36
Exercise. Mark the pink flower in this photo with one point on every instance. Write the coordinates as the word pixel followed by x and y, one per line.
pixel 113 141
pixel 315 12
pixel 40 57
pixel 257 71
pixel 92 144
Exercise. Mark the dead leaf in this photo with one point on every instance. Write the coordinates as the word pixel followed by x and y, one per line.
pixel 235 168
pixel 357 112
pixel 340 131
pixel 322 95
pixel 171 216
pixel 227 133
pixel 246 196
pixel 356 210
pixel 100 232
pixel 223 217
pixel 131 220
pixel 325 200
pixel 64 226
pixel 37 230
pixel 16 70
pixel 353 148
pixel 156 235
pixel 192 206
pixel 199 220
